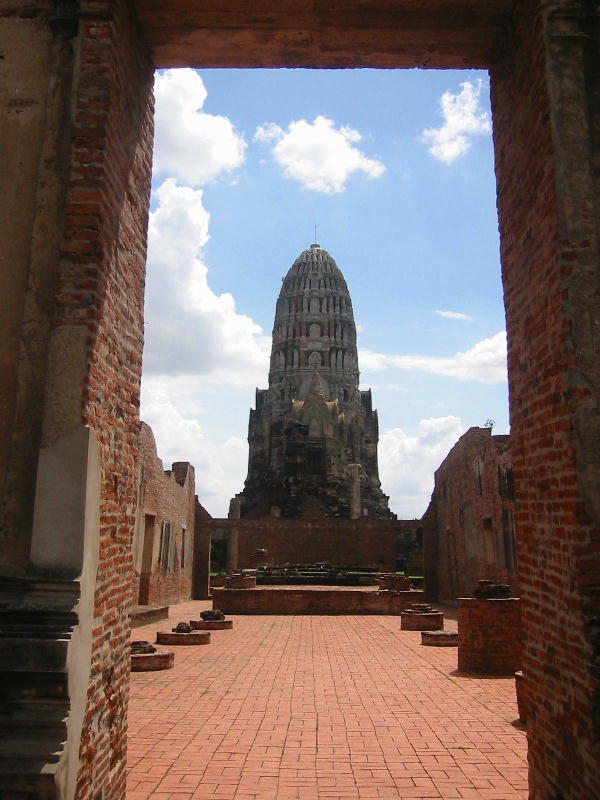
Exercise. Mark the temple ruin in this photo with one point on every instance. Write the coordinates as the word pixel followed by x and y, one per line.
pixel 76 134
pixel 313 434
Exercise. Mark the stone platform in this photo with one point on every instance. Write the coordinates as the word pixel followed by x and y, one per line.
pixel 144 615
pixel 439 638
pixel 211 624
pixel 323 600
pixel 152 662
pixel 173 638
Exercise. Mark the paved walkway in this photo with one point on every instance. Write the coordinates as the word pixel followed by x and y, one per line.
pixel 316 708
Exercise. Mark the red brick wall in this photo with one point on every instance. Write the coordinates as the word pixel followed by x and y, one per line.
pixel 201 571
pixel 312 601
pixel 164 497
pixel 100 292
pixel 490 638
pixel 362 542
pixel 547 200
pixel 470 521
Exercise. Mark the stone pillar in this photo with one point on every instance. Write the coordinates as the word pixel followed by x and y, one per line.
pixel 232 542
pixel 201 567
pixel 82 81
pixel 546 144
pixel 355 500
pixel 490 637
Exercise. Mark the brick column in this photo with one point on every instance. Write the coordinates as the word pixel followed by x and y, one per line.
pixel 489 635
pixel 86 421
pixel 542 95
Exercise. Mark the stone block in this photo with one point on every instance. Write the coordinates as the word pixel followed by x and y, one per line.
pixel 152 662
pixel 440 638
pixel 211 625
pixel 172 638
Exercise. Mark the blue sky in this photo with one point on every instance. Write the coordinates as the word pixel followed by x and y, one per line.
pixel 395 167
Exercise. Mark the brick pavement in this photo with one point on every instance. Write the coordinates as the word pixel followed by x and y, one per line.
pixel 320 708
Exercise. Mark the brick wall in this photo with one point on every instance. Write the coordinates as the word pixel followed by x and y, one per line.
pixel 490 638
pixel 100 303
pixel 312 601
pixel 165 524
pixel 365 542
pixel 470 522
pixel 542 95
pixel 201 571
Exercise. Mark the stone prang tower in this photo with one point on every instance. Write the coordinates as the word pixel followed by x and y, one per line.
pixel 313 435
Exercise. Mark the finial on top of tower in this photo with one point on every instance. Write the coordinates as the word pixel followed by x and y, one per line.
pixel 315 244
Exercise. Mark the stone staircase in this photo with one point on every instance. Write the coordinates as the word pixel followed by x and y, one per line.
pixel 37 617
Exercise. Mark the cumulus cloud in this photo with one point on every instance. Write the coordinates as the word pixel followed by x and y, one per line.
pixel 452 314
pixel 484 362
pixel 317 154
pixel 407 462
pixel 463 118
pixel 220 466
pixel 192 330
pixel 189 144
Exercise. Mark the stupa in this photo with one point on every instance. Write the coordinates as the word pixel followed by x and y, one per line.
pixel 313 435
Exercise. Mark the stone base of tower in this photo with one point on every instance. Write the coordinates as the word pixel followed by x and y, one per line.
pixel 386 545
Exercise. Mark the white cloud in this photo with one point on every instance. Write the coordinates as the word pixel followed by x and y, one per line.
pixel 407 463
pixel 463 118
pixel 220 466
pixel 452 314
pixel 189 144
pixel 191 330
pixel 318 155
pixel 484 362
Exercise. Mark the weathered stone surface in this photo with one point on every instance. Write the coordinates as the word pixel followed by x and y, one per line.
pixel 393 582
pixel 490 635
pixel 240 582
pixel 152 662
pixel 212 615
pixel 469 526
pixel 490 590
pixel 77 128
pixel 164 539
pixel 439 638
pixel 521 689
pixel 421 620
pixel 287 600
pixel 313 435
pixel 173 638
pixel 211 625
pixel 142 646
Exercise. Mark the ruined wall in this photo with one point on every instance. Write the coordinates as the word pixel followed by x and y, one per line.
pixel 201 570
pixel 100 295
pixel 165 521
pixel 543 91
pixel 78 114
pixel 472 517
pixel 267 600
pixel 365 542
pixel 35 135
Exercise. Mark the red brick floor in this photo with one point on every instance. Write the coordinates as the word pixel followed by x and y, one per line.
pixel 316 707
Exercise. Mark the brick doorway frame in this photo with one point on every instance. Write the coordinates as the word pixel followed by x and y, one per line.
pixel 73 400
